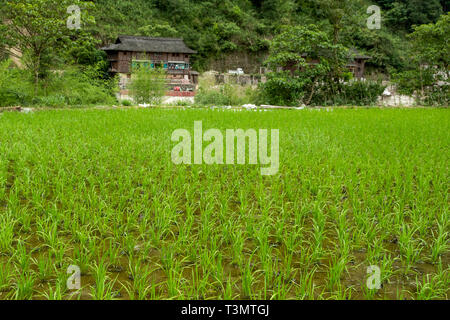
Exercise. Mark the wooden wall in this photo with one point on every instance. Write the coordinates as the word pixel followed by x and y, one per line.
pixel 121 61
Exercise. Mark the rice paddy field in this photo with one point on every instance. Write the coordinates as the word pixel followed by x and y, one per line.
pixel 97 189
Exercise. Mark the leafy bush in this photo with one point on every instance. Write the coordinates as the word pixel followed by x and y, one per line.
pixel 357 93
pixel 54 100
pixel 428 74
pixel 281 89
pixel 70 87
pixel 428 85
pixel 183 103
pixel 15 87
pixel 148 85
pixel 290 91
pixel 437 96
pixel 126 103
pixel 224 94
pixel 302 82
pixel 74 87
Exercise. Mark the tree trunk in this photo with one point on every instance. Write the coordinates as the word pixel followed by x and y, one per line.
pixel 37 66
pixel 313 89
pixel 336 35
pixel 421 82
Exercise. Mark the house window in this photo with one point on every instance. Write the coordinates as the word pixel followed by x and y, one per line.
pixel 137 64
pixel 178 66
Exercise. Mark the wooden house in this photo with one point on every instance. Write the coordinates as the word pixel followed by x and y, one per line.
pixel 172 54
pixel 357 64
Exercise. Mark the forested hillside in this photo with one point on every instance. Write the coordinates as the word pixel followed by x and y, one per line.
pixel 244 28
pixel 66 66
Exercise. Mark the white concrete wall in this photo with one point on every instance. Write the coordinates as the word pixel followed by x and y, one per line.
pixel 391 98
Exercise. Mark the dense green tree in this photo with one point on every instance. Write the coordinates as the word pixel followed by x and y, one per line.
pixel 34 27
pixel 217 28
pixel 335 11
pixel 404 14
pixel 429 63
pixel 295 81
pixel 148 85
pixel 278 10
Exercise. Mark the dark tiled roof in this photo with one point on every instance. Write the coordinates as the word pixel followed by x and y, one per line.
pixel 147 44
pixel 355 54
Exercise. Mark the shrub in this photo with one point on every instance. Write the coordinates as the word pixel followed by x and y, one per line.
pixel 225 94
pixel 428 74
pixel 183 103
pixel 126 103
pixel 15 87
pixel 357 93
pixel 428 85
pixel 77 88
pixel 148 85
pixel 282 89
pixel 69 87
pixel 436 96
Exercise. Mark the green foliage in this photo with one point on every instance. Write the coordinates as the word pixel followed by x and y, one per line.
pixel 281 89
pixel 293 43
pixel 238 31
pixel 158 28
pixel 148 85
pixel 75 87
pixel 81 49
pixel 355 93
pixel 211 94
pixel 428 74
pixel 72 87
pixel 15 87
pixel 183 103
pixel 102 193
pixel 126 103
pixel 211 27
pixel 226 95
pixel 293 51
pixel 402 15
pixel 437 96
pixel 216 28
pixel 430 43
pixel 35 27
